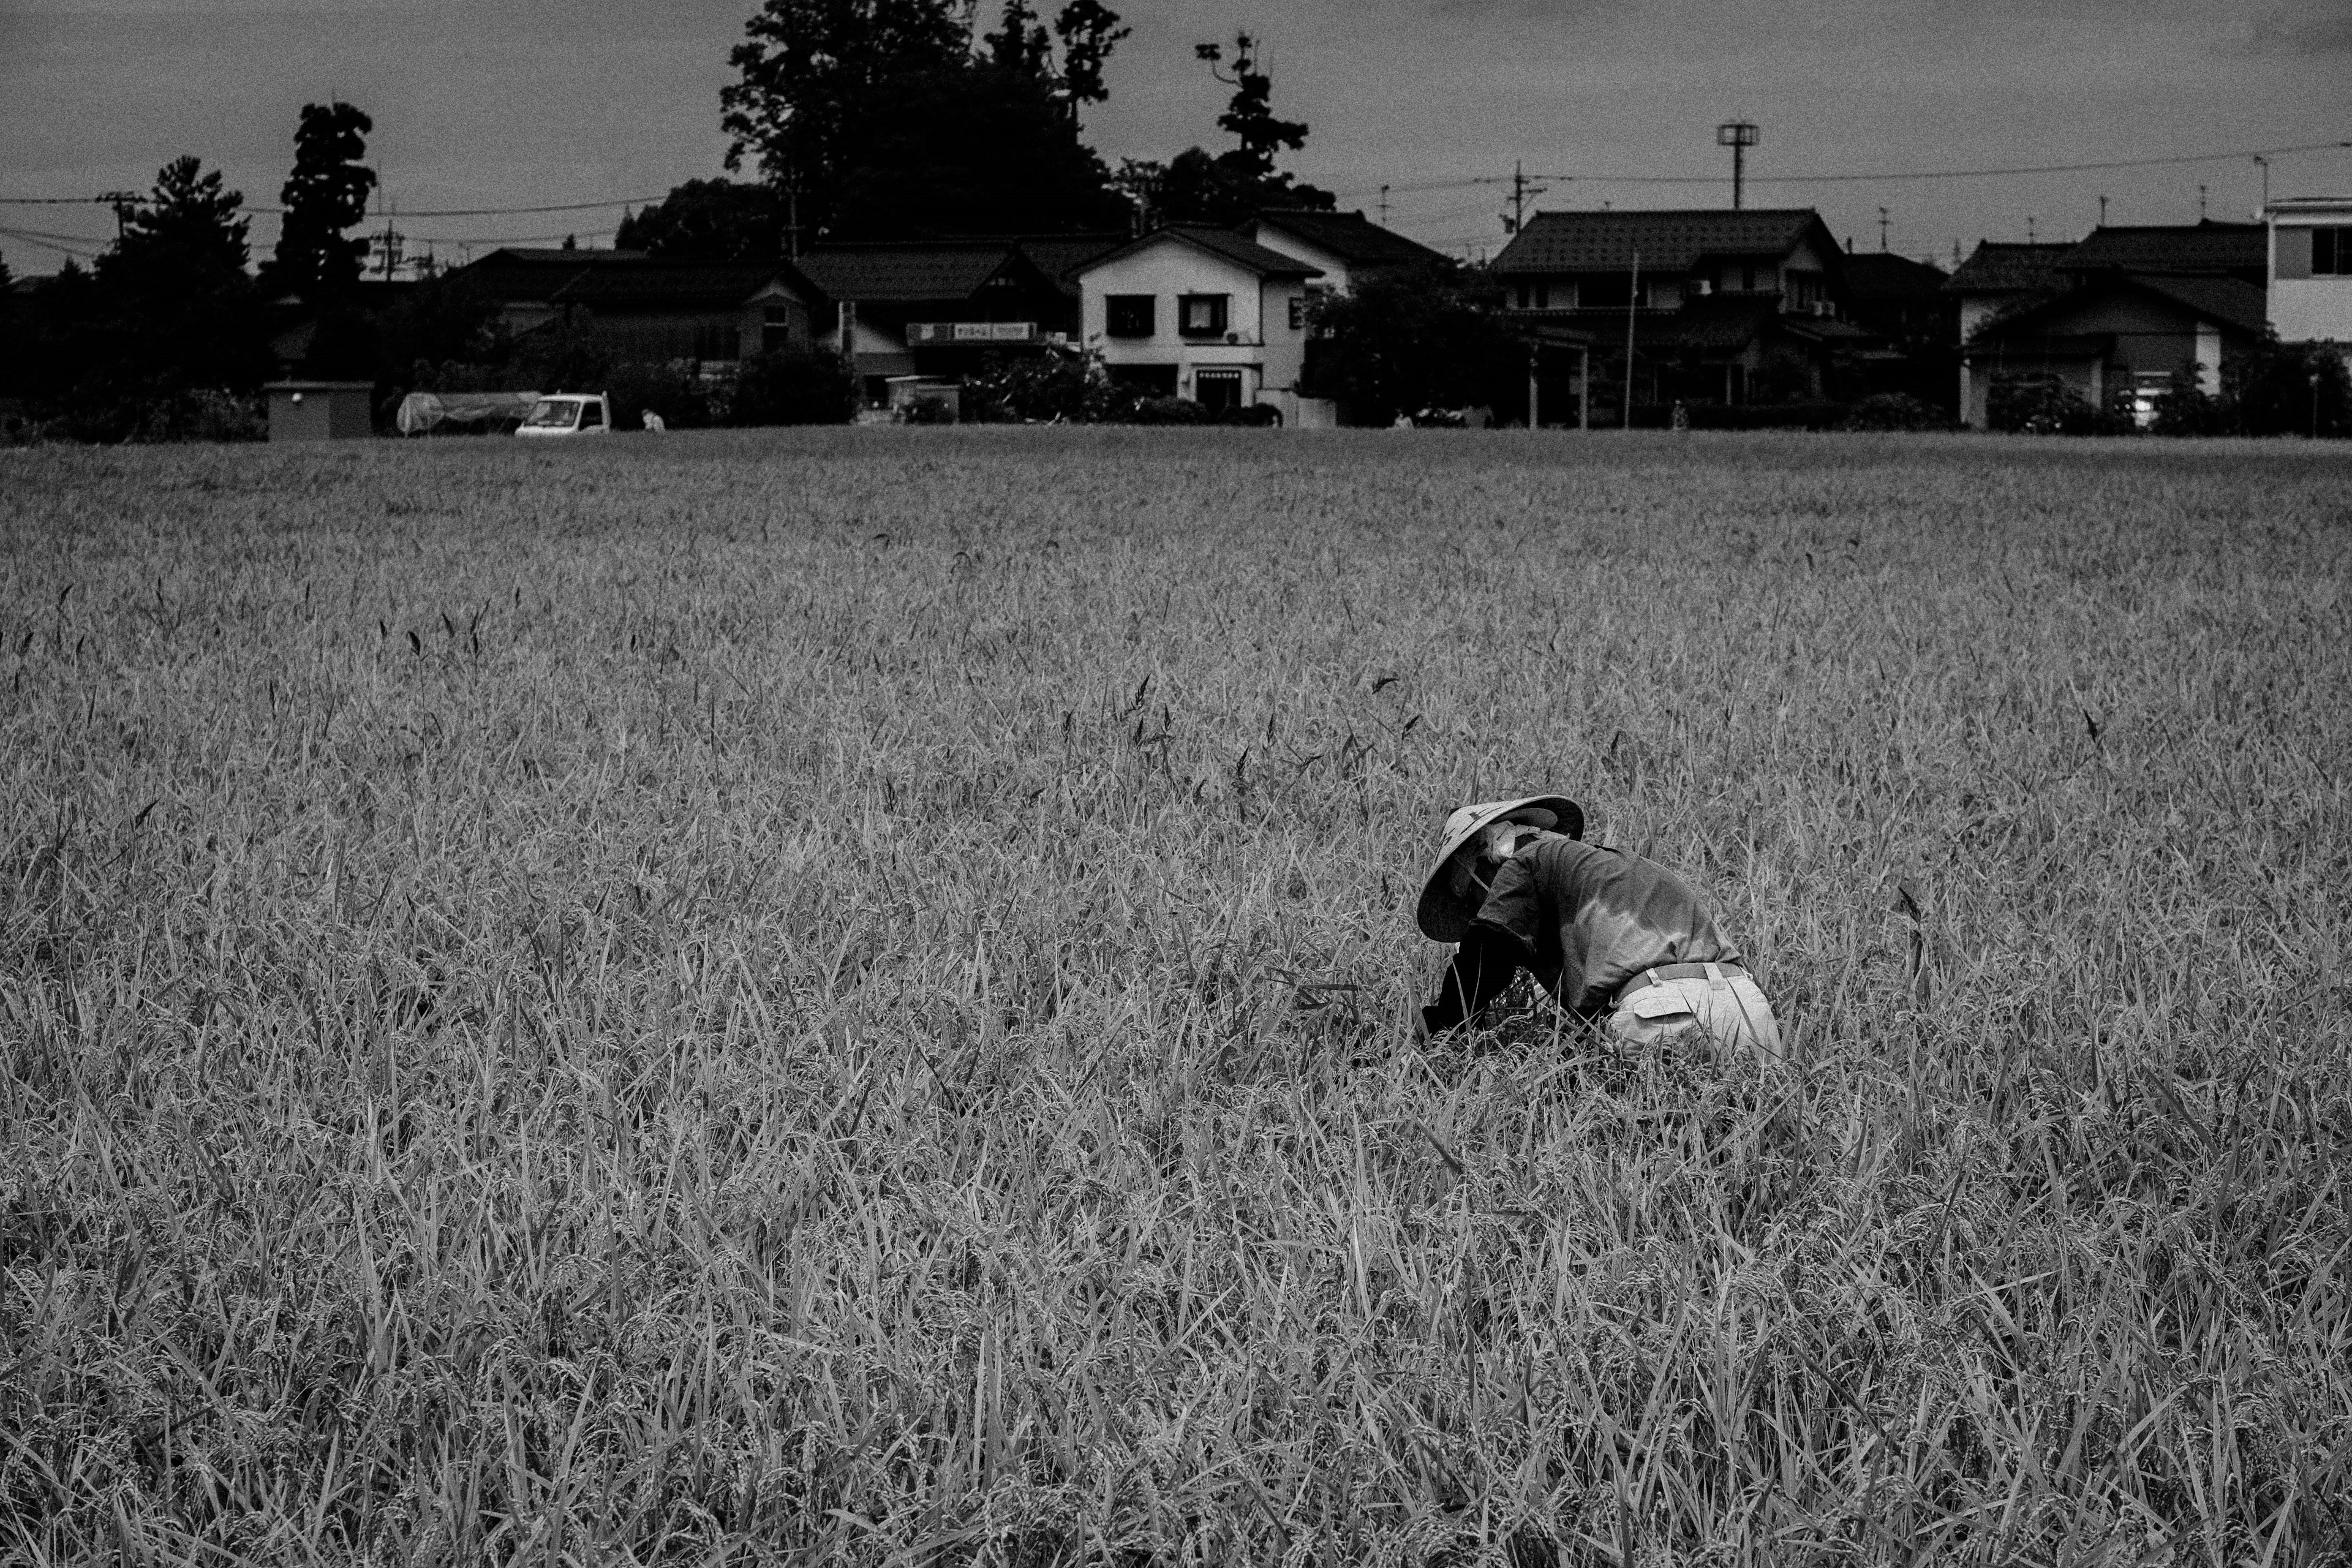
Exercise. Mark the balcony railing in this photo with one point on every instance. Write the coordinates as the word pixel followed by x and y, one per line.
pixel 927 333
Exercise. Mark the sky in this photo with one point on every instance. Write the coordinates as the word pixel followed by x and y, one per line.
pixel 510 103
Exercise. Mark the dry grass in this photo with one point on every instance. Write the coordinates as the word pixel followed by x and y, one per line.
pixel 839 997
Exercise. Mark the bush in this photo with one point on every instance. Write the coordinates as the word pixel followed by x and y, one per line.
pixel 1897 411
pixel 681 399
pixel 790 388
pixel 930 409
pixel 2039 403
pixel 1251 416
pixel 202 413
pixel 1165 410
pixel 1064 385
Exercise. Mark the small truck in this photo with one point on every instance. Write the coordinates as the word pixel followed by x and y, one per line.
pixel 569 414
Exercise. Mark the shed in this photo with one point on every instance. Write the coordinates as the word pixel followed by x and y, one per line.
pixel 320 410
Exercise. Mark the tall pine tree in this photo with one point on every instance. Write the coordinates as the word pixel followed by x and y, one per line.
pixel 325 196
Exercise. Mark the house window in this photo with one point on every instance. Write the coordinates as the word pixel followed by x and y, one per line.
pixel 2331 251
pixel 1130 315
pixel 1201 315
pixel 716 340
pixel 775 330
pixel 1298 312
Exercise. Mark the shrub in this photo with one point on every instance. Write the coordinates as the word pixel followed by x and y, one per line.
pixel 1895 410
pixel 790 388
pixel 930 409
pixel 2039 403
pixel 1065 385
pixel 1165 410
pixel 681 399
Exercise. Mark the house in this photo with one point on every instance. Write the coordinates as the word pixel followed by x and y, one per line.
pixel 1999 278
pixel 2309 279
pixel 2122 314
pixel 1726 307
pixel 1904 302
pixel 1343 247
pixel 642 308
pixel 937 309
pixel 1200 313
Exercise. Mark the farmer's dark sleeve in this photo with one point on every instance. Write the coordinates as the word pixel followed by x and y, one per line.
pixel 1484 967
pixel 1500 941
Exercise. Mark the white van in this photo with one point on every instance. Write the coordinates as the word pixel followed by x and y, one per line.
pixel 569 414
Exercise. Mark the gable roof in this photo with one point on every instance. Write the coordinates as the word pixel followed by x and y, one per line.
pixel 2005 267
pixel 1059 256
pixel 1668 241
pixel 675 284
pixel 2208 247
pixel 1351 237
pixel 906 271
pixel 1883 278
pixel 2229 302
pixel 1221 242
pixel 516 273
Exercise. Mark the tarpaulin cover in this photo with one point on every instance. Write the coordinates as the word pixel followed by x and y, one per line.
pixel 421 411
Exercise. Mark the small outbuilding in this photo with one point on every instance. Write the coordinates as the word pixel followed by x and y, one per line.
pixel 320 410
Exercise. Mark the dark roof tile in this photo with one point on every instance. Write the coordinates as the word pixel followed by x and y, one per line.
pixel 2003 267
pixel 1351 237
pixel 1875 276
pixel 2184 247
pixel 1221 242
pixel 913 270
pixel 1669 241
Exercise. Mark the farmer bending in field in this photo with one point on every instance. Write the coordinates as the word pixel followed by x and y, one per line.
pixel 1608 933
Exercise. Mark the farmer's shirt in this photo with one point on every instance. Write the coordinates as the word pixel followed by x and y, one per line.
pixel 1586 919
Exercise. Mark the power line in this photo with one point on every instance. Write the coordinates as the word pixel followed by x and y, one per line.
pixel 442 212
pixel 1987 174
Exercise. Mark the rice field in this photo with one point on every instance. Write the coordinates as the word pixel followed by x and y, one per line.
pixel 844 996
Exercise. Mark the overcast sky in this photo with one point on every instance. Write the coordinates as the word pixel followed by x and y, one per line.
pixel 525 103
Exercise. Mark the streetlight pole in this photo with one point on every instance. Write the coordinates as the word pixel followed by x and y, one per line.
pixel 1738 135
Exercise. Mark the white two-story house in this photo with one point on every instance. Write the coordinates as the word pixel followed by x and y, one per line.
pixel 2311 270
pixel 1202 313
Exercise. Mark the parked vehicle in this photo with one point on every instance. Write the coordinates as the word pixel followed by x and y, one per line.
pixel 569 414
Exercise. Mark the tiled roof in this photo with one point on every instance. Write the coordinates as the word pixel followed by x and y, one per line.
pixel 1059 256
pixel 937 269
pixel 536 274
pixel 1723 323
pixel 1351 237
pixel 674 284
pixel 2232 301
pixel 1668 241
pixel 2001 267
pixel 1881 276
pixel 1221 242
pixel 2227 302
pixel 2199 247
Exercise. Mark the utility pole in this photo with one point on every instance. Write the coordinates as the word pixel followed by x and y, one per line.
pixel 792 217
pixel 1882 231
pixel 124 202
pixel 1523 191
pixel 2103 211
pixel 2265 163
pixel 1535 416
pixel 2029 231
pixel 1738 135
pixel 2200 203
pixel 1633 299
pixel 1384 206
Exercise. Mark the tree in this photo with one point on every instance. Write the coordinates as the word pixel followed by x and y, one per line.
pixel 809 69
pixel 177 306
pixel 325 196
pixel 1089 30
pixel 1404 341
pixel 1228 187
pixel 710 220
pixel 974 150
pixel 880 118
